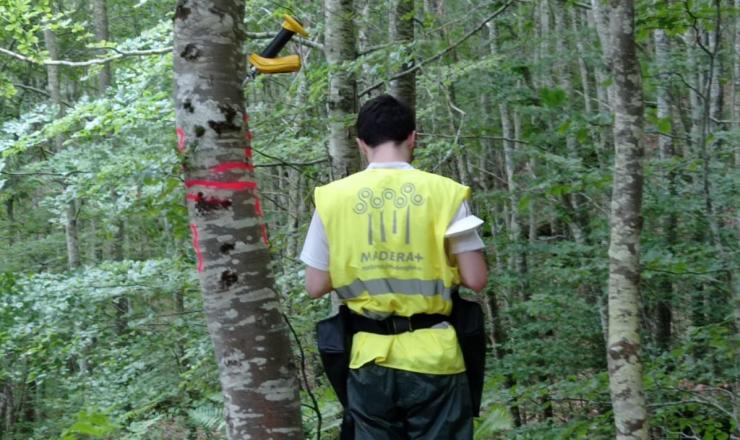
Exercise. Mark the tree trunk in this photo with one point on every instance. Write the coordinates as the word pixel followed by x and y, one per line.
pixel 339 46
pixel 250 339
pixel 121 303
pixel 70 229
pixel 736 80
pixel 623 348
pixel 574 201
pixel 363 42
pixel 9 211
pixel 735 276
pixel 583 69
pixel 105 77
pixel 402 34
pixel 664 311
pixel 100 19
pixel 715 89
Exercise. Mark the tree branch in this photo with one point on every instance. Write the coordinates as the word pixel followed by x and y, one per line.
pixel 67 174
pixel 39 91
pixel 440 54
pixel 94 61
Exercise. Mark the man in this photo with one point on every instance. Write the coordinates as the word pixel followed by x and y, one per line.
pixel 378 238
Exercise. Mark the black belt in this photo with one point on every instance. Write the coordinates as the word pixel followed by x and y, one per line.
pixel 394 325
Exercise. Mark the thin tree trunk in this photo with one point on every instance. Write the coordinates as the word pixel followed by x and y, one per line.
pixel 294 194
pixel 339 47
pixel 363 43
pixel 121 303
pixel 695 134
pixel 9 401
pixel 100 19
pixel 574 201
pixel 498 330
pixel 601 22
pixel 70 228
pixel 583 69
pixel 242 309
pixel 736 80
pixel 664 312
pixel 543 19
pixel 715 89
pixel 105 77
pixel 402 34
pixel 735 276
pixel 623 349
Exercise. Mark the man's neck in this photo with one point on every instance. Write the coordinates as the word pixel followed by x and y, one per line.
pixel 389 152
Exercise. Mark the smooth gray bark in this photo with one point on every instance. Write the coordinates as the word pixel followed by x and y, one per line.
pixel 340 48
pixel 499 333
pixel 623 348
pixel 249 335
pixel 565 82
pixel 664 310
pixel 736 79
pixel 582 67
pixel 100 19
pixel 70 226
pixel 402 35
pixel 735 276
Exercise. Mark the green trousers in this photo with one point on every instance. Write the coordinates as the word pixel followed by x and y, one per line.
pixel 390 404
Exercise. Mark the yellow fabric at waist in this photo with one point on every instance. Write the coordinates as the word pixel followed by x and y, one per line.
pixel 428 351
pixel 384 305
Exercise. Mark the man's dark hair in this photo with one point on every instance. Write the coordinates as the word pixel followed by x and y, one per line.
pixel 383 119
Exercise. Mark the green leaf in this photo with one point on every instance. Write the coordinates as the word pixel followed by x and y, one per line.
pixel 553 97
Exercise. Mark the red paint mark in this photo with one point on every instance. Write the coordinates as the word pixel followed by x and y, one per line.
pixel 220 185
pixel 248 135
pixel 245 118
pixel 248 153
pixel 228 166
pixel 180 139
pixel 196 246
pixel 264 235
pixel 258 207
pixel 206 204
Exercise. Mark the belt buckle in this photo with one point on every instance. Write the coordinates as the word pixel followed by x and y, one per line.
pixel 409 327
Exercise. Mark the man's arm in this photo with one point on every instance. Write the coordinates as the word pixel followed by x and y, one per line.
pixel 315 254
pixel 318 282
pixel 467 249
pixel 473 270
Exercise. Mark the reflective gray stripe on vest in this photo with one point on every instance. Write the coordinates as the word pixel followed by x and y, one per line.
pixel 397 286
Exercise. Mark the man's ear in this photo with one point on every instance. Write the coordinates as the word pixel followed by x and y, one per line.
pixel 362 146
pixel 411 140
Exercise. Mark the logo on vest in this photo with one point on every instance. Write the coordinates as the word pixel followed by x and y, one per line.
pixel 390 203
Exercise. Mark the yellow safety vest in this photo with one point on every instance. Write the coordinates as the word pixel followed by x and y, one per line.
pixel 385 229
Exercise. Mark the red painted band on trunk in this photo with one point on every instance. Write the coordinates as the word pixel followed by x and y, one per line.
pixel 228 166
pixel 220 185
pixel 248 135
pixel 180 139
pixel 245 117
pixel 248 153
pixel 258 207
pixel 192 196
pixel 196 246
pixel 264 235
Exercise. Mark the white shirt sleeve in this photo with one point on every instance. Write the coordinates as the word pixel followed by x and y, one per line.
pixel 467 241
pixel 315 251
